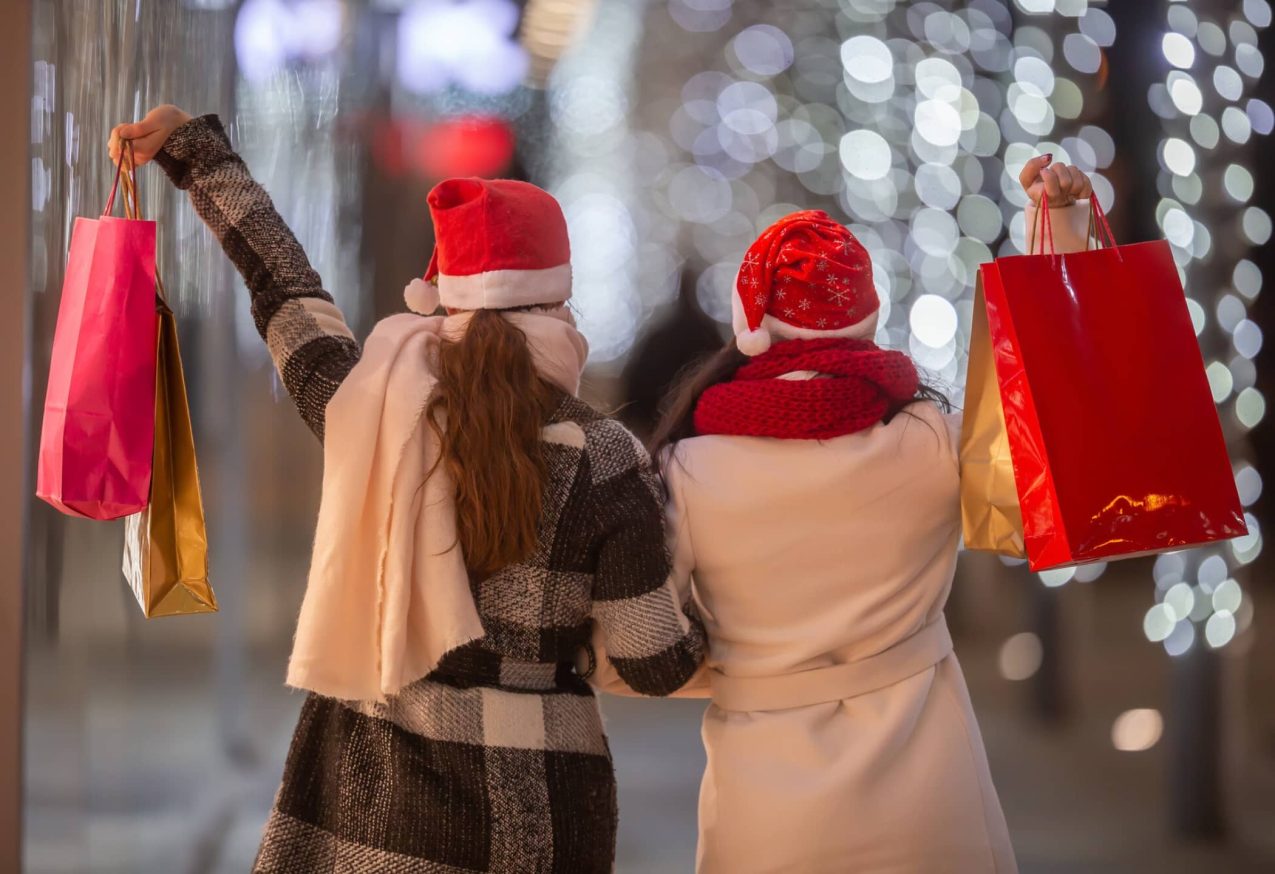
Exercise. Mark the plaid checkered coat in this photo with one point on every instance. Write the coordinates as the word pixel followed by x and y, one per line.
pixel 497 761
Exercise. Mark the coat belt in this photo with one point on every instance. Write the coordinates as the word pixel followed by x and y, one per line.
pixel 908 657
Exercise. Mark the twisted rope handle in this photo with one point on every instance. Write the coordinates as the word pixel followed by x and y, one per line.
pixel 1046 224
pixel 131 207
pixel 1104 236
pixel 1099 227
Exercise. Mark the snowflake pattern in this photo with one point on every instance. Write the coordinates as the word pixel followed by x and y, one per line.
pixel 822 293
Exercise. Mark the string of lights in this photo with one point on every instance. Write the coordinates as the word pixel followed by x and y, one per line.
pixel 1210 115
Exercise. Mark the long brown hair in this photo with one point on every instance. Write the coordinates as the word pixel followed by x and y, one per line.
pixel 487 412
pixel 677 418
pixel 677 422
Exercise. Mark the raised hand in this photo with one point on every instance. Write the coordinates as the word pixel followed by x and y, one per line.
pixel 1064 184
pixel 148 135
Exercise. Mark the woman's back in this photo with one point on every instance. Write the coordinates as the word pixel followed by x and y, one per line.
pixel 492 759
pixel 597 552
pixel 815 552
pixel 841 735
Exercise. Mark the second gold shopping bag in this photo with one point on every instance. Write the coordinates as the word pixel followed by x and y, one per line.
pixel 990 515
pixel 166 545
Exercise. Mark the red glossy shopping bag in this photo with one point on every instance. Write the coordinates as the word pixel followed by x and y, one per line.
pixel 98 432
pixel 1111 428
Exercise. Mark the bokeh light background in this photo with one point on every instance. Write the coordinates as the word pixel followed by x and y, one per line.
pixel 910 122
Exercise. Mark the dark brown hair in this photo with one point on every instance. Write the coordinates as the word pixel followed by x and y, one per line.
pixel 487 412
pixel 677 421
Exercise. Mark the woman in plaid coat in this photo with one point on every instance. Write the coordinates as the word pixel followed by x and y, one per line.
pixel 494 759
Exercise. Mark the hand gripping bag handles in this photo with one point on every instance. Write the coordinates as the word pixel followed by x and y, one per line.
pixel 1090 432
pixel 166 545
pixel 97 434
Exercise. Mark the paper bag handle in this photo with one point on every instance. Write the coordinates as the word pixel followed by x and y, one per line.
pixel 1099 228
pixel 131 207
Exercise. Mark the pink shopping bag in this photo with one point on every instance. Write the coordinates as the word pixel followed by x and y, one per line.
pixel 99 411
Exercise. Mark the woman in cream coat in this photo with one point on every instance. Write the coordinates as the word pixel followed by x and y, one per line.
pixel 840 737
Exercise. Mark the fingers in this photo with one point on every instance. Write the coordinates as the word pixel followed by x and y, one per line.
pixel 1065 181
pixel 136 143
pixel 1032 170
pixel 1053 186
pixel 134 131
pixel 1086 185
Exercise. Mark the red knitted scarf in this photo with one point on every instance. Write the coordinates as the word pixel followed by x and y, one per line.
pixel 859 385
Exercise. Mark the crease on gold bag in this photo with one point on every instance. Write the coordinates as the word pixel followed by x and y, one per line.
pixel 166 545
pixel 991 518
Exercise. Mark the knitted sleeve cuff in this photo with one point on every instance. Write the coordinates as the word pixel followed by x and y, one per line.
pixel 194 149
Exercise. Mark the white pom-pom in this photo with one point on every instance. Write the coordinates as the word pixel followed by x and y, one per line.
pixel 421 297
pixel 753 342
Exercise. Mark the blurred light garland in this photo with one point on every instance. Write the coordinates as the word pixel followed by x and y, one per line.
pixel 1209 115
pixel 912 125
pixel 590 169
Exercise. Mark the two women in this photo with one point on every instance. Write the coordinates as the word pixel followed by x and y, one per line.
pixel 812 493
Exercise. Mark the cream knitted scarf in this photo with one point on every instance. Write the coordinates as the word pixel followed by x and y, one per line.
pixel 388 593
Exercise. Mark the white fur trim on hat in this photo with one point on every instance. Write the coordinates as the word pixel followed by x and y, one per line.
pixel 753 342
pixel 503 289
pixel 421 297
pixel 776 330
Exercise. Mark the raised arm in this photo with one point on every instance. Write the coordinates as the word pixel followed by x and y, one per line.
pixel 310 343
pixel 648 632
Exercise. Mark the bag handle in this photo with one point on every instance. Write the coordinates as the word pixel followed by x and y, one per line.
pixel 132 209
pixel 1099 228
pixel 1046 225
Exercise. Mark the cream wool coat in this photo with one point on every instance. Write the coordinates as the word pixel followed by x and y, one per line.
pixel 811 554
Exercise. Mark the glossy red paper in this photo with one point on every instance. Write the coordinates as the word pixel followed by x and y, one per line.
pixel 1114 437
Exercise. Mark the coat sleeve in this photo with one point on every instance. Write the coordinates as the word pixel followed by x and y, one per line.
pixel 310 343
pixel 648 638
pixel 681 549
pixel 1070 224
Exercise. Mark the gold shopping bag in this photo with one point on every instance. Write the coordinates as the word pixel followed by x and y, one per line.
pixel 991 519
pixel 165 545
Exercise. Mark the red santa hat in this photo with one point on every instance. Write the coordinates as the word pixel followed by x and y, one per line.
pixel 500 244
pixel 806 276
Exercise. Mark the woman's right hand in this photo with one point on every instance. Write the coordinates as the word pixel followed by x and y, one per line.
pixel 1062 183
pixel 148 135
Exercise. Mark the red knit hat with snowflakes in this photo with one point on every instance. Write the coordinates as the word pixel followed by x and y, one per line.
pixel 807 277
pixel 500 244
